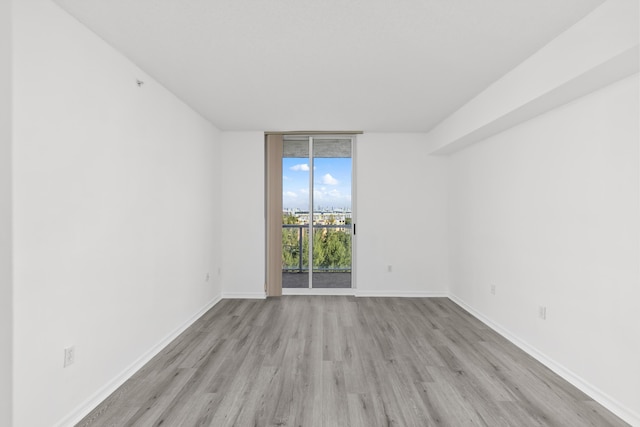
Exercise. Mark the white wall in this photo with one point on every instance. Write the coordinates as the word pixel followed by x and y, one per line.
pixel 6 280
pixel 388 168
pixel 600 49
pixel 401 217
pixel 243 227
pixel 116 215
pixel 548 213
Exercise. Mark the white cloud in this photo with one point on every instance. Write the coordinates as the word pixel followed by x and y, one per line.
pixel 329 180
pixel 291 194
pixel 301 167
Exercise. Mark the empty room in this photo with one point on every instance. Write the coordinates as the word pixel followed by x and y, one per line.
pixel 319 213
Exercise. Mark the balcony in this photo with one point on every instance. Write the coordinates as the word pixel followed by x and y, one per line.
pixel 331 256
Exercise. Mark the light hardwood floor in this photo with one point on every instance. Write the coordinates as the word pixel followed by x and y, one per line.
pixel 344 361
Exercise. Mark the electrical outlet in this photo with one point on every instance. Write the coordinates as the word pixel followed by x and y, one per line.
pixel 389 268
pixel 207 277
pixel 493 289
pixel 542 312
pixel 69 356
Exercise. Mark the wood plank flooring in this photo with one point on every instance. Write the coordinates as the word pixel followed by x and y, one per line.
pixel 345 361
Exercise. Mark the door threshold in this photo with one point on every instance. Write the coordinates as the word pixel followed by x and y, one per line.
pixel 318 291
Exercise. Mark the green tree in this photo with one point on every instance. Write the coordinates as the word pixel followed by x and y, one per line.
pixel 289 219
pixel 290 243
pixel 332 249
pixel 331 246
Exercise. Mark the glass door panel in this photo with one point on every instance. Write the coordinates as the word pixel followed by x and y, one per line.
pixel 296 177
pixel 331 219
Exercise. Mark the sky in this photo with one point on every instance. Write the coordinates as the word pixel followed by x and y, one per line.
pixel 332 183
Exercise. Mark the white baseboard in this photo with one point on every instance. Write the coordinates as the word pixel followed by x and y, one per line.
pixel 244 295
pixel 401 294
pixel 81 411
pixel 627 414
pixel 337 291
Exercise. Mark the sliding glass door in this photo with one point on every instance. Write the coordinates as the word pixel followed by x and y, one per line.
pixel 317 212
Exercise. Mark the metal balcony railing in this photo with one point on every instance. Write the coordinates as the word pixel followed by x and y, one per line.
pixel 295 248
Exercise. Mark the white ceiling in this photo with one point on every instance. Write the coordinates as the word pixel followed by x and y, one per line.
pixel 374 65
